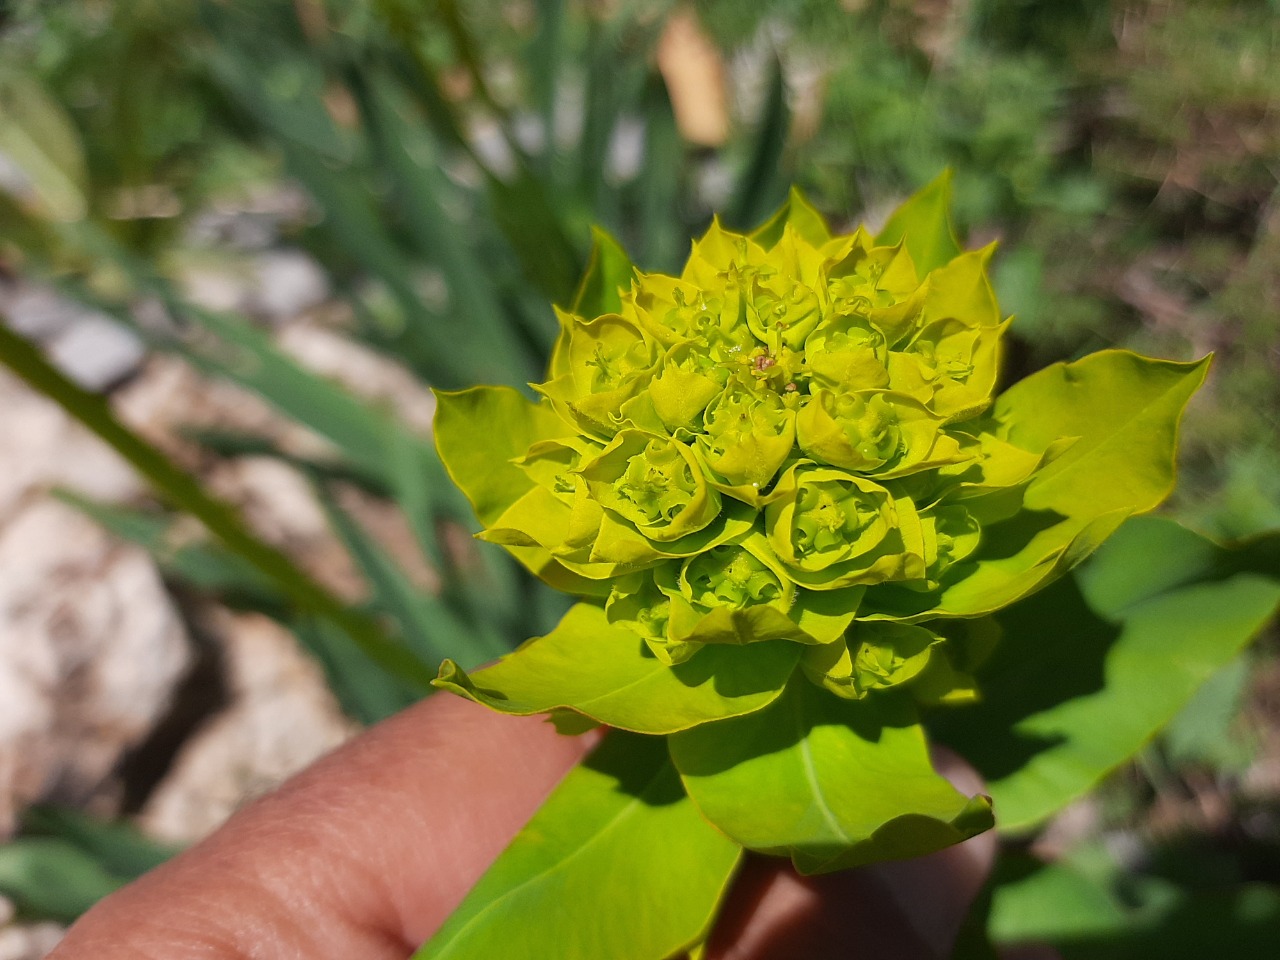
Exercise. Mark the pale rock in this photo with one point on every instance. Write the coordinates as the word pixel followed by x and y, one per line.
pixel 170 396
pixel 41 446
pixel 364 372
pixel 90 648
pixel 96 352
pixel 281 718
pixel 37 311
pixel 85 344
pixel 278 503
pixel 29 941
pixel 218 284
pixel 287 283
pixel 272 285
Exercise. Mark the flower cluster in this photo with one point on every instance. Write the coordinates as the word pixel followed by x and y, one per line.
pixel 743 452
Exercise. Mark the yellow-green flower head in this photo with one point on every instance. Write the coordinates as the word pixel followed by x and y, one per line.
pixel 736 452
pixel 789 501
pixel 792 440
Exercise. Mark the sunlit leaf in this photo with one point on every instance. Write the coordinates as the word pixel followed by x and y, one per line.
pixel 923 225
pixel 608 272
pixel 1088 670
pixel 1123 412
pixel 831 783
pixel 617 863
pixel 607 673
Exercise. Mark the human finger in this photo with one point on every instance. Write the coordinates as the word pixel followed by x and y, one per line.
pixel 362 855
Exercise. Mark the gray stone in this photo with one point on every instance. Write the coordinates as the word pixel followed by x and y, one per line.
pixel 37 311
pixel 287 283
pixel 281 718
pixel 41 446
pixel 29 941
pixel 90 648
pixel 96 352
pixel 87 345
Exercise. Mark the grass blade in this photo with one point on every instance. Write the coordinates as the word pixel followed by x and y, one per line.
pixel 428 625
pixel 763 186
pixel 184 492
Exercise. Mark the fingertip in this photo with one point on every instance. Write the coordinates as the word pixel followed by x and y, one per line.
pixel 363 854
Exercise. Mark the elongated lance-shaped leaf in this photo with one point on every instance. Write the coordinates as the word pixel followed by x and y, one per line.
pixel 762 186
pixel 1088 670
pixel 608 273
pixel 469 55
pixel 547 54
pixel 381 452
pixel 663 238
pixel 119 848
pixel 530 218
pixel 605 672
pixel 832 783
pixel 1066 904
pixel 251 61
pixel 357 225
pixel 185 493
pixel 611 86
pixel 518 203
pixel 248 357
pixel 366 691
pixel 351 215
pixel 617 863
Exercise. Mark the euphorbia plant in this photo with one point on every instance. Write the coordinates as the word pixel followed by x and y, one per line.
pixel 788 496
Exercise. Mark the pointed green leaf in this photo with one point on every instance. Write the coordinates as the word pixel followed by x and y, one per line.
pixel 247 356
pixel 1122 411
pixel 806 221
pixel 761 184
pixel 1067 903
pixel 476 322
pixel 367 691
pixel 534 226
pixel 923 225
pixel 659 192
pixel 608 274
pixel 617 864
pixel 509 424
pixel 1059 901
pixel 1087 671
pixel 607 673
pixel 832 783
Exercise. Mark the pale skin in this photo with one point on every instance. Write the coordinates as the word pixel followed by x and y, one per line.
pixel 363 855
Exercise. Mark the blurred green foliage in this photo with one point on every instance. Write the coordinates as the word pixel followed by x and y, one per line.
pixel 451 158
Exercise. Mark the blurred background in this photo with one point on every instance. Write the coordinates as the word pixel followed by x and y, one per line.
pixel 240 240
